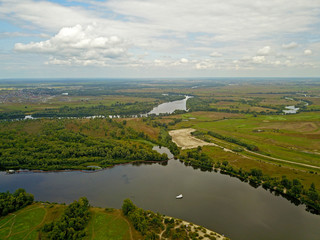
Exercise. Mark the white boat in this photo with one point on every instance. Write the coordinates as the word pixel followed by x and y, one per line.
pixel 179 196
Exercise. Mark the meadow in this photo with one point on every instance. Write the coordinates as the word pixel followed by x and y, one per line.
pixel 26 223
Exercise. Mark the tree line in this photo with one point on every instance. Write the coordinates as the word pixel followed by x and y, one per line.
pixel 293 189
pixel 11 202
pixel 54 146
pixel 72 223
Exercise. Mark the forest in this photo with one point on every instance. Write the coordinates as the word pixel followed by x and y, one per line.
pixel 72 144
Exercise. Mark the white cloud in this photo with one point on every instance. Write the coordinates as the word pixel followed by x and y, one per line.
pixel 184 60
pixel 290 45
pixel 307 52
pixel 205 64
pixel 126 29
pixel 79 45
pixel 258 59
pixel 265 51
pixel 215 54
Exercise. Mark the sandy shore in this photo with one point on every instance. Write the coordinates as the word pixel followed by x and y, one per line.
pixel 184 139
pixel 204 233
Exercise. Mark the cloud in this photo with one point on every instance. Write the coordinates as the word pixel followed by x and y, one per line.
pixel 79 45
pixel 88 32
pixel 43 14
pixel 258 59
pixel 265 51
pixel 215 54
pixel 21 34
pixel 290 45
pixel 205 64
pixel 307 52
pixel 184 60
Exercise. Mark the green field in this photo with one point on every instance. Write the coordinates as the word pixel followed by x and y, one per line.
pixel 110 225
pixel 290 137
pixel 25 223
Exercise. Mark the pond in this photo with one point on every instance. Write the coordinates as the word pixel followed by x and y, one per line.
pixel 216 201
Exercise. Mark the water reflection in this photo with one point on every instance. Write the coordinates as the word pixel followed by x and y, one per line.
pixel 214 200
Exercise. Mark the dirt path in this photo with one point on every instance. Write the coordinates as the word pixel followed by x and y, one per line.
pixel 13 222
pixel 130 231
pixel 14 219
pixel 43 220
pixel 282 160
pixel 192 228
pixel 184 139
pixel 8 220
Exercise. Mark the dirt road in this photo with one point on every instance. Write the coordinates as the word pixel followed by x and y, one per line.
pixel 184 139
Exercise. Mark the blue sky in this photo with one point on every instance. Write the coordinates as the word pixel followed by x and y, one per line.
pixel 168 38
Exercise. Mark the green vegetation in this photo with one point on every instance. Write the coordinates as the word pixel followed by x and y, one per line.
pixel 23 224
pixel 80 221
pixel 155 226
pixel 72 223
pixel 71 144
pixel 293 189
pixel 60 99
pixel 250 147
pixel 13 202
pixel 109 225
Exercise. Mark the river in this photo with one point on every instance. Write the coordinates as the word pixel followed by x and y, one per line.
pixel 216 201
pixel 170 107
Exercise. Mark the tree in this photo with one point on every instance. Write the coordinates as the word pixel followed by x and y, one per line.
pixel 312 193
pixel 128 206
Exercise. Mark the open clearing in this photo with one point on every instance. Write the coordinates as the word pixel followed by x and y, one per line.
pixel 184 139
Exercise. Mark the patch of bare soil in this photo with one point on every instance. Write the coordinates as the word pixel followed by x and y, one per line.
pixel 184 139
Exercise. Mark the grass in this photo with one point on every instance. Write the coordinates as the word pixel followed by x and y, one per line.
pixel 25 223
pixel 271 168
pixel 109 225
pixel 71 101
pixel 295 138
pixel 291 137
pixel 140 126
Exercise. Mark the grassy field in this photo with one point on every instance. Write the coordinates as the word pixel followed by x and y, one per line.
pixel 25 223
pixel 291 137
pixel 110 225
pixel 295 138
pixel 53 102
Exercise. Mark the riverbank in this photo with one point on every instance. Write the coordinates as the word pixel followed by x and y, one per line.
pixel 293 190
pixel 104 223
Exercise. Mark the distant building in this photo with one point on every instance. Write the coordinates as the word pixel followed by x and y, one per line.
pixel 65 94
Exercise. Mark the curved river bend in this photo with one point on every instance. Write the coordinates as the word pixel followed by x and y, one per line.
pixel 216 201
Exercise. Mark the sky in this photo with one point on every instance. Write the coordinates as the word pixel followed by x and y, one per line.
pixel 159 38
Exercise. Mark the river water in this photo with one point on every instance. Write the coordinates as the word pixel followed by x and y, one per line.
pixel 216 201
pixel 170 107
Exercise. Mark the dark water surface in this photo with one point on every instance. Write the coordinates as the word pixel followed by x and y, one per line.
pixel 216 201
